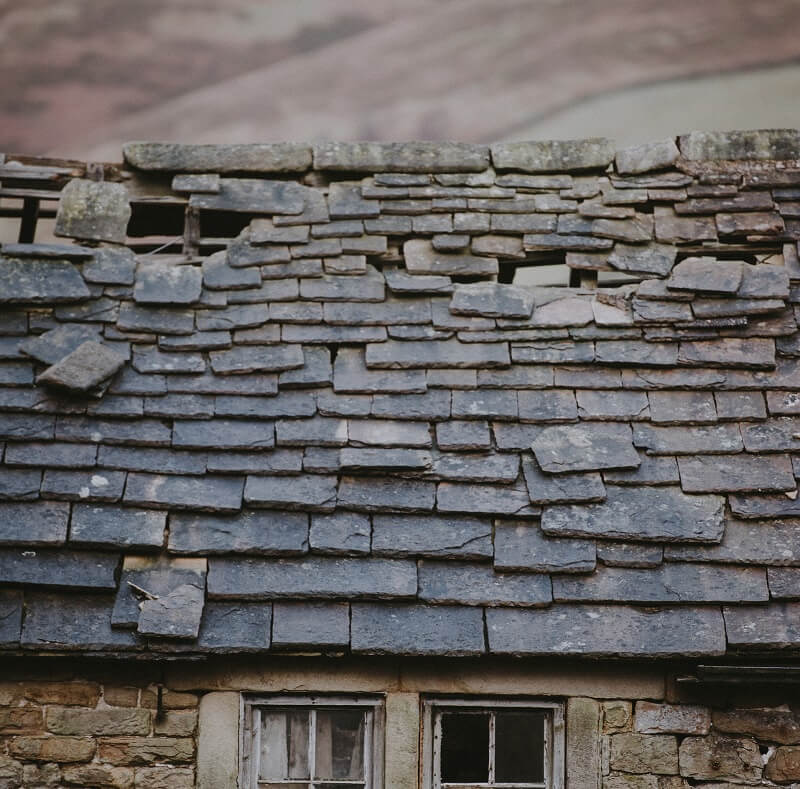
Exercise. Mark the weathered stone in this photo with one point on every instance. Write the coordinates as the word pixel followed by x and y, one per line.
pixel 492 301
pixel 561 488
pixel 655 259
pixel 784 765
pixel 99 775
pixel 112 526
pixel 20 484
pixel 776 626
pixel 567 448
pixel 545 242
pixel 554 156
pixel 520 545
pixel 669 583
pixel 641 753
pixel 755 352
pixel 223 434
pixel 165 777
pixel 720 758
pixel 764 282
pixel 612 405
pixel 40 282
pixel 40 453
pixel 352 458
pixel 557 405
pixel 661 514
pixel 448 582
pixel 401 157
pixel 53 749
pixel 619 631
pixel 174 615
pixel 208 182
pixel 76 569
pixel 83 369
pixel 416 630
pixel 146 750
pixel 77 722
pixel 706 275
pixel 93 210
pixel 375 494
pixel 422 258
pixel 343 533
pixel 779 725
pixel 231 158
pixel 33 523
pixel 255 358
pixel 492 245
pixel 784 582
pixel 254 195
pixel 431 536
pixel 148 359
pixel 369 287
pixel 512 223
pixel 110 266
pixel 676 407
pixel 650 156
pixel 399 281
pixel 681 229
pixel 638 229
pixel 748 145
pixel 432 405
pixel 235 627
pixel 218 275
pixel 390 311
pixel 476 467
pixel 311 577
pixel 511 500
pixel 760 223
pixel 629 554
pixel 158 461
pixel 213 493
pixel 722 474
pixel 11 617
pixel 552 351
pixel 482 403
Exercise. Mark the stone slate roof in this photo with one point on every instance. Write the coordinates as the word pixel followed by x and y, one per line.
pixel 333 424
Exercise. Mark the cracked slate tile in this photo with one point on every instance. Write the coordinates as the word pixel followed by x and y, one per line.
pixel 376 494
pixel 664 514
pixel 207 493
pixel 312 492
pixel 40 282
pixel 235 627
pixel 175 615
pixel 20 484
pixel 705 439
pixel 54 345
pixel 350 374
pixel 83 369
pixel 585 447
pixel 223 434
pixel 167 283
pixel 520 546
pixel 470 584
pixel 486 499
pixel 341 533
pixel 463 435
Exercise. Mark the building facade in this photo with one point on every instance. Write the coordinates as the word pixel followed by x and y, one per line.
pixel 402 465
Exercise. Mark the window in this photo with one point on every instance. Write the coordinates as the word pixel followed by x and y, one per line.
pixel 311 742
pixel 510 744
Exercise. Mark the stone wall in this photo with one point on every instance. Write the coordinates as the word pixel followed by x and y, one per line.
pixel 628 727
pixel 95 730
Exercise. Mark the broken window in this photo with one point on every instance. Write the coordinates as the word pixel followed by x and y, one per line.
pixel 513 744
pixel 311 742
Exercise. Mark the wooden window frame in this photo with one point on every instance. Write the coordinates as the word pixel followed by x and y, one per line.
pixel 431 739
pixel 250 730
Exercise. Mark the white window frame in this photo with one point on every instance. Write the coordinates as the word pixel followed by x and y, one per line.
pixel 250 732
pixel 432 736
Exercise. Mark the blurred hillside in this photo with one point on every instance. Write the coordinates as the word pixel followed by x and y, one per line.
pixel 81 76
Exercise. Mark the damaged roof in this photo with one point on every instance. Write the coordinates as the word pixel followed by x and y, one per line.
pixel 322 398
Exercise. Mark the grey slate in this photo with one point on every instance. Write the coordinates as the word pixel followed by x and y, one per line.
pixel 107 526
pixel 176 615
pixel 93 211
pixel 432 405
pixel 416 630
pixel 654 470
pixel 649 156
pixel 26 426
pixel 773 543
pixel 218 275
pixel 310 492
pixel 350 374
pixel 396 354
pixel 340 533
pixel 235 627
pixel 311 577
pixel 520 546
pixel 232 158
pixel 612 405
pixel 333 287
pixel 649 514
pixel 40 282
pixel 310 625
pixel 463 435
pixel 470 584
pixel 669 583
pixel 33 523
pixel 784 583
pixel 257 358
pixel 209 493
pixel 285 404
pixel 706 275
pixel 556 405
pixel 54 345
pixel 10 617
pixel 630 554
pixel 278 461
pixel 148 359
pixel 432 536
pixel 135 317
pixel 476 467
pixel 223 434
pixel 73 622
pixel 20 484
pixel 607 631
pixel 512 500
pixel 59 568
pixel 94 485
pixel 110 266
pixel 764 506
pixel 143 432
pixel 561 488
pixel 704 439
pixel 747 145
pixel 655 259
pixel 167 283
pixel 41 453
pixel 485 403
pixel 157 460
pixel 319 430
pixel 376 494
pixel 740 473
pixel 774 626
pixel 585 447
pixel 401 157
pixel 553 156
pixel 422 258
pixel 366 459
pixel 259 196
pixel 677 407
pixel 492 301
pixel 85 368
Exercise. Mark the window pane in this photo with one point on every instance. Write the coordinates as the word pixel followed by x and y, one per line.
pixel 284 745
pixel 340 745
pixel 519 746
pixel 465 747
